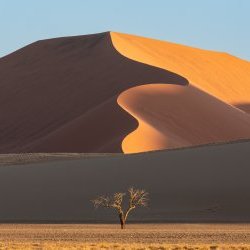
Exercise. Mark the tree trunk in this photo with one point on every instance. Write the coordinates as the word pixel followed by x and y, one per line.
pixel 122 221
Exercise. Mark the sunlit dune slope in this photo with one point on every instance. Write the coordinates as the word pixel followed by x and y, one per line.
pixel 176 116
pixel 62 95
pixel 219 74
pixel 199 113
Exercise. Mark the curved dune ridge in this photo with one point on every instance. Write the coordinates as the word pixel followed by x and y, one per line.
pixel 200 113
pixel 219 74
pixel 177 116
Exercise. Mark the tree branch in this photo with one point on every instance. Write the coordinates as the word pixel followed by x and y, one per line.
pixel 110 202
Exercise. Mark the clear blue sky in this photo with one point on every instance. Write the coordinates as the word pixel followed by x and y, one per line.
pixel 222 25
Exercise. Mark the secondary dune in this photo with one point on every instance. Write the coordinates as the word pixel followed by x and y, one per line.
pixel 219 74
pixel 172 116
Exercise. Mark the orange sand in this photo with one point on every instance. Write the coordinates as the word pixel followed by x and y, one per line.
pixel 172 116
pixel 219 74
pixel 175 116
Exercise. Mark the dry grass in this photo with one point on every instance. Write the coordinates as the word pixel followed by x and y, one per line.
pixel 118 246
pixel 135 237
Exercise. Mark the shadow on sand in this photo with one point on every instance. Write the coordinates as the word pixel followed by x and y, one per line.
pixel 243 106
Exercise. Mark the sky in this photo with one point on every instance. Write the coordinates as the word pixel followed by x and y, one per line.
pixel 221 25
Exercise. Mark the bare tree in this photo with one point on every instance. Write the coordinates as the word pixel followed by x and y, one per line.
pixel 137 198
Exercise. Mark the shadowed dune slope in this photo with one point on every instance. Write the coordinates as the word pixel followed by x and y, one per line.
pixel 202 184
pixel 219 74
pixel 172 116
pixel 245 107
pixel 60 95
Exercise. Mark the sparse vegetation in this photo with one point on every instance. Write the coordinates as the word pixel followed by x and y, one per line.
pixel 137 198
pixel 49 245
pixel 140 236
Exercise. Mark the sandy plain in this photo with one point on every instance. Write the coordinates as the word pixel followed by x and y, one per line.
pixel 135 236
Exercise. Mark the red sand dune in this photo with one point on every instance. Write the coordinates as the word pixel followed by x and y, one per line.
pixel 60 95
pixel 170 116
pixel 219 74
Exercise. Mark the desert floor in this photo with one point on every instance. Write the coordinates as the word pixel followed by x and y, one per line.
pixel 135 236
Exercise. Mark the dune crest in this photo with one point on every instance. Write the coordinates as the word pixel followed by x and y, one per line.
pixel 172 116
pixel 219 74
pixel 60 95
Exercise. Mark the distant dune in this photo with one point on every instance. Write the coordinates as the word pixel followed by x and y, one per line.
pixel 70 95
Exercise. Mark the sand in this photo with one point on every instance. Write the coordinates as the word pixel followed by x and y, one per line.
pixel 200 184
pixel 172 116
pixel 135 236
pixel 60 95
pixel 168 118
pixel 216 73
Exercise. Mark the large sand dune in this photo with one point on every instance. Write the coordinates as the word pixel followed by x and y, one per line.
pixel 209 183
pixel 86 94
pixel 62 95
pixel 169 117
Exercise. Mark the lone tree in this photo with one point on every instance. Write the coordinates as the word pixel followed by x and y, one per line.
pixel 137 198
